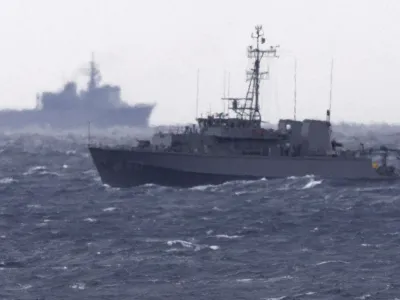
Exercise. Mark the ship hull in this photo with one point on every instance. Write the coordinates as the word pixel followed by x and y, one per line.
pixel 138 174
pixel 135 116
pixel 129 167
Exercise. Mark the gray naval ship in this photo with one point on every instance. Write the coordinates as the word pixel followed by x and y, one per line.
pixel 100 104
pixel 234 146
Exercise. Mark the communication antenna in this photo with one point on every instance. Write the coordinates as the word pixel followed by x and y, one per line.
pixel 224 91
pixel 328 113
pixel 197 93
pixel 229 83
pixel 227 87
pixel 89 137
pixel 295 88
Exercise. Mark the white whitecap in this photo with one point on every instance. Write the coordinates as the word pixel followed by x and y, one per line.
pixel 331 262
pixel 279 278
pixel 201 187
pixel 49 173
pixel 90 220
pixel 244 280
pixel 109 209
pixel 7 180
pixel 366 296
pixel 78 286
pixel 24 286
pixel 312 183
pixel 181 242
pixel 225 236
pixel 216 208
pixel 34 169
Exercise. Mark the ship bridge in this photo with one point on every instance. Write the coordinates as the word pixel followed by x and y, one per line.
pixel 236 128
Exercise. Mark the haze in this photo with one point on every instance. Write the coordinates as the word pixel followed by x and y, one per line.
pixel 152 49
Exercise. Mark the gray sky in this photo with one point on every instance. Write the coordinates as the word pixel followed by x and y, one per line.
pixel 152 49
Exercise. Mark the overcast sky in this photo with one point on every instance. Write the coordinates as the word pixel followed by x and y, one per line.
pixel 153 49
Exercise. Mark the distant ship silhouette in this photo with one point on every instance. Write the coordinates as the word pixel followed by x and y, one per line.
pixel 101 105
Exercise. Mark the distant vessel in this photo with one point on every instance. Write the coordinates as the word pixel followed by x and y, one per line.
pixel 224 147
pixel 101 105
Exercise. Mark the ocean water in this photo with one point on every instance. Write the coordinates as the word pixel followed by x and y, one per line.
pixel 65 235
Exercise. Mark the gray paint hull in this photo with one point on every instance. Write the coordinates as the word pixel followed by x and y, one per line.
pixel 134 116
pixel 123 167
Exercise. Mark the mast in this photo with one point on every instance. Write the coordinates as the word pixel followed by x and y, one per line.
pixel 328 113
pixel 250 108
pixel 229 83
pixel 256 75
pixel 224 93
pixel 197 93
pixel 94 75
pixel 256 69
pixel 295 88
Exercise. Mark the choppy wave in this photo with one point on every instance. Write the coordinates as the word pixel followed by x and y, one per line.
pixel 66 235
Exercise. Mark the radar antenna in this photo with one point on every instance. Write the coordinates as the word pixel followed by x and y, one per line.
pixel 250 109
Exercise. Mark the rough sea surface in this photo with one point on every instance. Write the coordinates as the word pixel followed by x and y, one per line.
pixel 65 235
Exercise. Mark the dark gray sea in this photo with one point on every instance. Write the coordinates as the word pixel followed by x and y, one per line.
pixel 65 235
